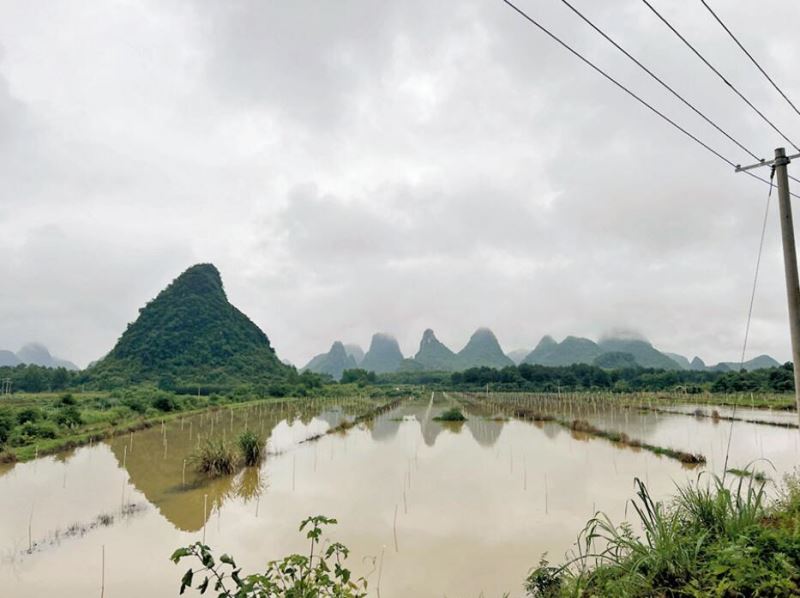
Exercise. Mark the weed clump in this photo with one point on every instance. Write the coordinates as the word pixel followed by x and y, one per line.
pixel 451 415
pixel 214 459
pixel 712 539
pixel 250 446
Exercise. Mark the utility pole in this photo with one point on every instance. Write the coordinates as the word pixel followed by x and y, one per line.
pixel 779 164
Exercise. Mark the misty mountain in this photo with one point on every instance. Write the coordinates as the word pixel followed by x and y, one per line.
pixel 643 352
pixel 697 364
pixel 482 349
pixel 571 350
pixel 356 352
pixel 434 355
pixel 615 360
pixel 757 363
pixel 383 356
pixel 518 355
pixel 7 358
pixel 332 363
pixel 37 354
pixel 680 360
pixel 191 333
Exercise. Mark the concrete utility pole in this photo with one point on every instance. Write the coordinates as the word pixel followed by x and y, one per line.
pixel 780 163
pixel 789 263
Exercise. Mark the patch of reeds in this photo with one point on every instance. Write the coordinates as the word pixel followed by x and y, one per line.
pixel 450 415
pixel 251 447
pixel 214 458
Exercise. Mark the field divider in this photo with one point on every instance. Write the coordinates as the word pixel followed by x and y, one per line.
pixel 584 427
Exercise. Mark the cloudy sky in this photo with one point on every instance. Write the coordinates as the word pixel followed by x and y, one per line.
pixel 355 166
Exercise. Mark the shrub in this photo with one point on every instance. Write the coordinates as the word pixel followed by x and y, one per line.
pixel 69 416
pixel 6 424
pixel 31 431
pixel 135 404
pixel 29 414
pixel 67 399
pixel 164 403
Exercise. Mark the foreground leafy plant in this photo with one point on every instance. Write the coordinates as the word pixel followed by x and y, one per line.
pixel 320 574
pixel 714 539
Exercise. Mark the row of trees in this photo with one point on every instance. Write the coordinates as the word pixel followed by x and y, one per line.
pixel 539 378
pixel 36 378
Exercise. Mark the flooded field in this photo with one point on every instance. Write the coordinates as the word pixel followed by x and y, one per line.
pixel 427 508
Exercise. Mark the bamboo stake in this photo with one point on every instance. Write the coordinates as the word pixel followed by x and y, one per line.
pixel 205 515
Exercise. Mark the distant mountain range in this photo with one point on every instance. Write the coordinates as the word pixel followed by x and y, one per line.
pixel 483 350
pixel 34 354
pixel 190 333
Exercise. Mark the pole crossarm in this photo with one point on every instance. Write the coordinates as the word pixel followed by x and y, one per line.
pixel 781 161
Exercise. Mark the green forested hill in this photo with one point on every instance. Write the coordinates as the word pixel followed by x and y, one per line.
pixel 189 334
pixel 433 355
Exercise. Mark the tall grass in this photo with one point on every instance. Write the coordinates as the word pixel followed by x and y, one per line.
pixel 251 447
pixel 214 458
pixel 713 539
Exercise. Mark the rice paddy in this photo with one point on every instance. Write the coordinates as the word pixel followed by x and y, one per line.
pixel 420 502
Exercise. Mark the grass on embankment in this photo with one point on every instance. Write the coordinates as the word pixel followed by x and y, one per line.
pixel 620 438
pixel 39 424
pixel 712 539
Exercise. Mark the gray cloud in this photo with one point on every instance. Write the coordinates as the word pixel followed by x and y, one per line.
pixel 365 166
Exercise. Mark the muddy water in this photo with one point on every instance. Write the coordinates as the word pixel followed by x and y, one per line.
pixel 450 509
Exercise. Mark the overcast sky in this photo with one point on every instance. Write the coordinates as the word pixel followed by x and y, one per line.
pixel 355 166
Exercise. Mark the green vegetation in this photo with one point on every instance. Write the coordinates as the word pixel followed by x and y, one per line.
pixel 758 476
pixel 321 573
pixel 214 458
pixel 190 334
pixel 482 349
pixel 451 415
pixel 333 363
pixel 250 445
pixel 713 539
pixel 45 423
pixel 538 378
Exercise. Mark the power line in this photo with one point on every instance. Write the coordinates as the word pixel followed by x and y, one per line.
pixel 720 75
pixel 658 79
pixel 750 56
pixel 597 69
pixel 750 311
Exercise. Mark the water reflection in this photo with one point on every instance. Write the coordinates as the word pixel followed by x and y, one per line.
pixel 472 506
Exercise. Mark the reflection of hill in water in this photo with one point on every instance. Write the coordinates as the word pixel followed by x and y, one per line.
pixel 159 477
pixel 430 429
pixel 484 431
pixel 385 426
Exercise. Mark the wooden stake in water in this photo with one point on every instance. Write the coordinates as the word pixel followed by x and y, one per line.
pixel 183 473
pixel 30 536
pixel 124 456
pixel 405 504
pixel 205 515
pixel 546 497
pixel 524 474
pixel 394 529
pixel 380 569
